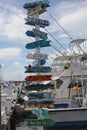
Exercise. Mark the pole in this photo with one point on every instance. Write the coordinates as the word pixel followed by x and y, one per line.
pixel 37 27
pixel 37 49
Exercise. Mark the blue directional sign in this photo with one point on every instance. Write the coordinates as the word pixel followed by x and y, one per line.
pixel 34 69
pixel 34 21
pixel 34 33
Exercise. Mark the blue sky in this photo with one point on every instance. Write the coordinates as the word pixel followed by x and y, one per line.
pixel 71 14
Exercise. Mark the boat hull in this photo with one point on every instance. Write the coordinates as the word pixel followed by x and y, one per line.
pixel 68 116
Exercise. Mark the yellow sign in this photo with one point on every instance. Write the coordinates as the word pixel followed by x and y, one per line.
pixel 35 10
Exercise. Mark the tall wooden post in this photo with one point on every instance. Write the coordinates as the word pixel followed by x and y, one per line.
pixel 37 49
pixel 37 27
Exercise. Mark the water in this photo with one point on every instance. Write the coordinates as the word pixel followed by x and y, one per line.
pixel 22 126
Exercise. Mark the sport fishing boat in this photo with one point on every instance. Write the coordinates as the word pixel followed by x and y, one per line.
pixel 75 82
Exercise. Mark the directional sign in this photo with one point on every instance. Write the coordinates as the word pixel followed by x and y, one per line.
pixel 37 56
pixel 39 62
pixel 40 122
pixel 34 4
pixel 42 11
pixel 33 69
pixel 30 33
pixel 39 86
pixel 40 33
pixel 34 21
pixel 38 78
pixel 40 43
pixel 37 33
pixel 34 10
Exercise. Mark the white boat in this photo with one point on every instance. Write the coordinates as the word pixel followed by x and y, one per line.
pixel 74 90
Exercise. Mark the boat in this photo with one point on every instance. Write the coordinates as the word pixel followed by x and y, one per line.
pixel 76 75
pixel 70 106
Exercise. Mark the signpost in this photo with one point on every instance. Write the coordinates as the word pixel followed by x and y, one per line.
pixel 36 44
pixel 40 122
pixel 38 78
pixel 34 69
pixel 34 21
pixel 32 5
pixel 37 56
pixel 38 86
pixel 42 11
pixel 30 33
pixel 40 33
pixel 39 62
pixel 34 33
pixel 35 10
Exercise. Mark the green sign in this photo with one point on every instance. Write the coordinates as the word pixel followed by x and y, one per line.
pixel 40 43
pixel 40 122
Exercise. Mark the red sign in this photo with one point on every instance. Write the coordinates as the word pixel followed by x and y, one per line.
pixel 38 78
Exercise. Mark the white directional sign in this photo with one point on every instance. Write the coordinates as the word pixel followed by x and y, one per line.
pixel 37 56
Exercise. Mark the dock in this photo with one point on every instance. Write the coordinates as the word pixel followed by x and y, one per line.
pixel 9 97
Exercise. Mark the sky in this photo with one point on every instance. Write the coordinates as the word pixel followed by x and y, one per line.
pixel 70 14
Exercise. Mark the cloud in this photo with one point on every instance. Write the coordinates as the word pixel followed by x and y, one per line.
pixel 12 25
pixel 75 21
pixel 10 53
pixel 17 63
pixel 71 16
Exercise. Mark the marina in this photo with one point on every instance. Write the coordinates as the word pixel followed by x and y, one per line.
pixel 50 96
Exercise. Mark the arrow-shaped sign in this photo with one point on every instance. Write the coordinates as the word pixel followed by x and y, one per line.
pixel 34 69
pixel 35 32
pixel 36 44
pixel 34 21
pixel 34 4
pixel 38 78
pixel 37 56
